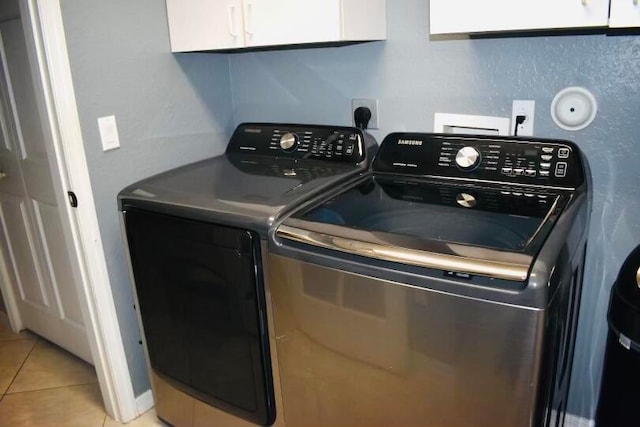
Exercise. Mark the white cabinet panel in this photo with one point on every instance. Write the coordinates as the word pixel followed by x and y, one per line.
pixel 197 25
pixel 473 16
pixel 283 22
pixel 205 24
pixel 624 13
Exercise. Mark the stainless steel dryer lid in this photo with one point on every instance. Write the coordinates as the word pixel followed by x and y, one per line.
pixel 237 190
pixel 267 169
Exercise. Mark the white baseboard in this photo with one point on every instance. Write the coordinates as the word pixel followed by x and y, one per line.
pixel 144 402
pixel 576 421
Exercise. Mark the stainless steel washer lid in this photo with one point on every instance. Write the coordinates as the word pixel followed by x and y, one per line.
pixel 238 190
pixel 422 223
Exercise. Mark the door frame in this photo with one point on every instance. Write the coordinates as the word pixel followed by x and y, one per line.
pixel 48 56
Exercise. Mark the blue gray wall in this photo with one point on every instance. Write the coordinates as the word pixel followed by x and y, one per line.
pixel 413 77
pixel 170 109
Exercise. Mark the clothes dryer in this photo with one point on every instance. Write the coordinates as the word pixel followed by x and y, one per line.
pixel 195 238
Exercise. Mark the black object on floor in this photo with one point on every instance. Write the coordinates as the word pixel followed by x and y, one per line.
pixel 618 405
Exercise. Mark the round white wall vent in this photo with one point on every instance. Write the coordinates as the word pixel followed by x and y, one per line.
pixel 574 108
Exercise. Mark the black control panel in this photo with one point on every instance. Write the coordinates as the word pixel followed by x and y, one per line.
pixel 289 168
pixel 512 200
pixel 341 144
pixel 506 159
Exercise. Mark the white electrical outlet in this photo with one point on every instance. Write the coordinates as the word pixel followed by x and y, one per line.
pixel 526 109
pixel 372 105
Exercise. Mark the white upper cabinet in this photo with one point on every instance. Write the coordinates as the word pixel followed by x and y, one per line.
pixel 205 24
pixel 624 13
pixel 474 16
pixel 196 25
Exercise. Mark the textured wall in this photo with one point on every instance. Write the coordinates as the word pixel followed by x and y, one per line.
pixel 413 77
pixel 171 110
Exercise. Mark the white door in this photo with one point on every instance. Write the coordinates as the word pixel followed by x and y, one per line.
pixel 35 252
pixel 282 22
pixel 205 24
pixel 469 16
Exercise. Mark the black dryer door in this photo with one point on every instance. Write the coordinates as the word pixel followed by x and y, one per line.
pixel 202 307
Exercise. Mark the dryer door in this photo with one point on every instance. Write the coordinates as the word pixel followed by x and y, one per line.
pixel 202 308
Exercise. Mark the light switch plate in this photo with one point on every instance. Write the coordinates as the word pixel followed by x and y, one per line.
pixel 108 133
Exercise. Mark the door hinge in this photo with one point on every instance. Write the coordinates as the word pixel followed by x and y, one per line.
pixel 73 200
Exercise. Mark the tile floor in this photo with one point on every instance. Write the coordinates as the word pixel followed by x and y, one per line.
pixel 43 385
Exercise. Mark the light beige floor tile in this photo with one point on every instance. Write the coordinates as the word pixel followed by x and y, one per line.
pixel 7 334
pixel 77 406
pixel 12 355
pixel 148 419
pixel 49 366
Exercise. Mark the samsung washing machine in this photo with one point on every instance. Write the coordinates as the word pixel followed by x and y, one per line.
pixel 196 243
pixel 440 289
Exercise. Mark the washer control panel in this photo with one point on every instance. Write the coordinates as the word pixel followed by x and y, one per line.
pixel 526 161
pixel 511 160
pixel 341 144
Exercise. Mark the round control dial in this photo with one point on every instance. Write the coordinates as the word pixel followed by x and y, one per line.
pixel 289 141
pixel 466 200
pixel 468 158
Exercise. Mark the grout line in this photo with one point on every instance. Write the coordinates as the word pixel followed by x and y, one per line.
pixel 53 388
pixel 21 366
pixel 104 422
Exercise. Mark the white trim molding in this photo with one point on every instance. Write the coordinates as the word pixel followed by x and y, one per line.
pixel 144 402
pixel 44 30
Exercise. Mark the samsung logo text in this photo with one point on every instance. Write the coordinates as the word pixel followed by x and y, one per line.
pixel 409 142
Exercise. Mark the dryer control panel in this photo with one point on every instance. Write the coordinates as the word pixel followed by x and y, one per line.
pixel 526 161
pixel 341 144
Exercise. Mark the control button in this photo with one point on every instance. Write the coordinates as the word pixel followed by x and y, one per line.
pixel 289 141
pixel 542 196
pixel 517 194
pixel 468 158
pixel 518 172
pixel 545 165
pixel 546 157
pixel 506 193
pixel 561 169
pixel 547 150
pixel 563 153
pixel 544 173
pixel 506 171
pixel 529 195
pixel 530 173
pixel 466 200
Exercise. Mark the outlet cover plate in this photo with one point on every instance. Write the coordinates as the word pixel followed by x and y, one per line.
pixel 372 105
pixel 525 108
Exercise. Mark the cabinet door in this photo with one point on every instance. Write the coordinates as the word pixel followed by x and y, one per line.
pixel 624 13
pixel 280 22
pixel 205 24
pixel 472 16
